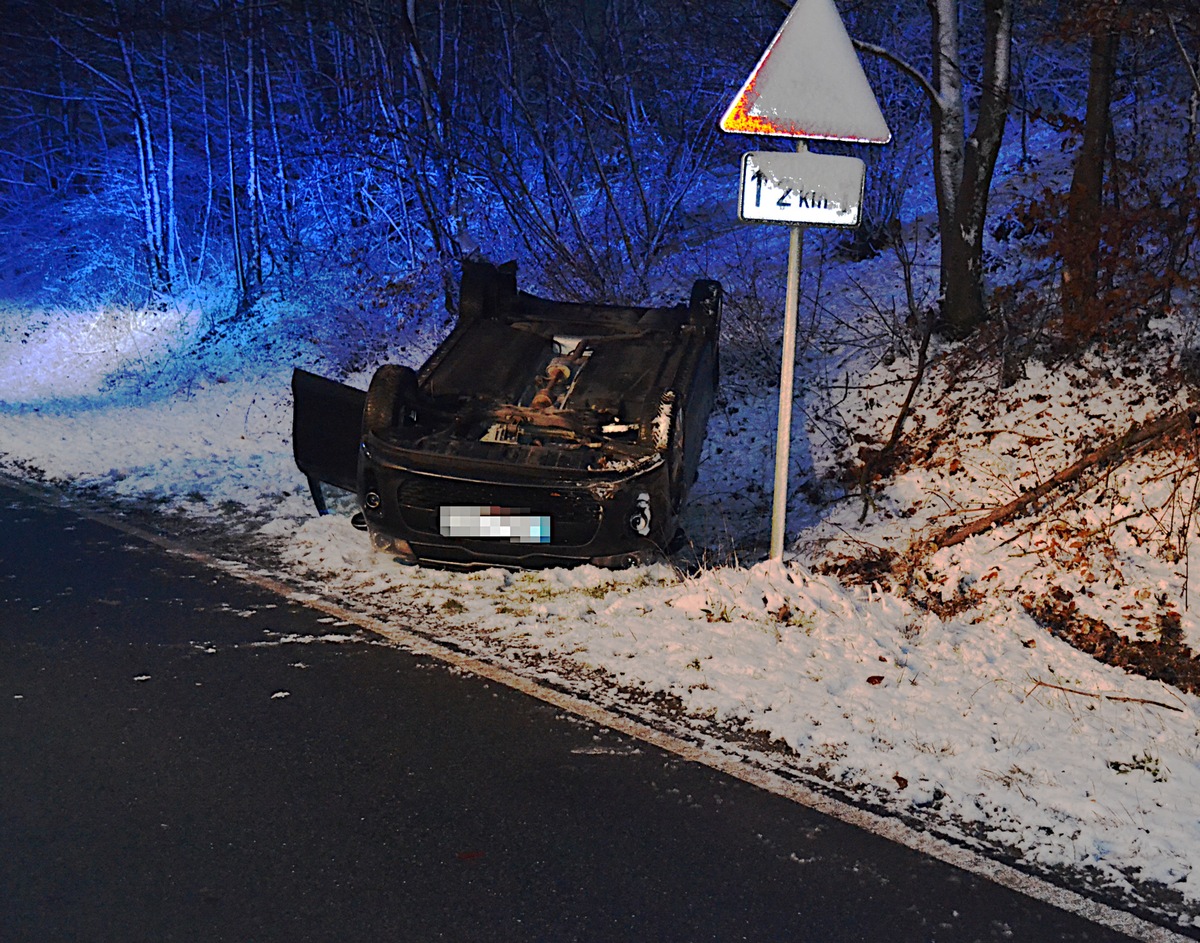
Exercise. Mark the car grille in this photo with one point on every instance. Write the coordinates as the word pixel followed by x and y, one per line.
pixel 574 514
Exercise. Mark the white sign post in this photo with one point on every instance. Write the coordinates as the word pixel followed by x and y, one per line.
pixel 787 371
pixel 809 84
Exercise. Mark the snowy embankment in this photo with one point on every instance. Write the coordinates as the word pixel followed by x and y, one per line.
pixel 976 721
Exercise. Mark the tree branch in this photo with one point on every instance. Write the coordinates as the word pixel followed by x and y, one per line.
pixel 904 66
pixel 1183 53
pixel 1138 434
pixel 1107 697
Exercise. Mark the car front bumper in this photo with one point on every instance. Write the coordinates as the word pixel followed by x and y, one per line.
pixel 468 522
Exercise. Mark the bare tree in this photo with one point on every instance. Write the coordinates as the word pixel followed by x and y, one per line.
pixel 597 136
pixel 1081 246
pixel 963 162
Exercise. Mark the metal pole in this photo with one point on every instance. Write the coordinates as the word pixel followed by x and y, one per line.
pixel 783 432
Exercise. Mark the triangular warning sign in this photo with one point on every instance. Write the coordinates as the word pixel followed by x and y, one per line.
pixel 809 84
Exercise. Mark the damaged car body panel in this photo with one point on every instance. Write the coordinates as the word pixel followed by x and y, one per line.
pixel 539 433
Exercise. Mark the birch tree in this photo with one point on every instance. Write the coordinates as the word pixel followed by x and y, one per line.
pixel 963 161
pixel 412 64
pixel 157 245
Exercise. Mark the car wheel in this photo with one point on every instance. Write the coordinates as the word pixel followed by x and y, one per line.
pixel 485 289
pixel 390 397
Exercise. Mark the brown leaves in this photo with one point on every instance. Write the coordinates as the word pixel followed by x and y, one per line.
pixel 1167 658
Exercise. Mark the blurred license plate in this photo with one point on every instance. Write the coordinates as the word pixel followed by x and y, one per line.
pixel 517 525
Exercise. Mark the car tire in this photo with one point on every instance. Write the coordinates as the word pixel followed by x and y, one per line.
pixel 390 397
pixel 485 289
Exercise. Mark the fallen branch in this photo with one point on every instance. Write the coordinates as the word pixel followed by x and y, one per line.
pixel 1106 697
pixel 1138 434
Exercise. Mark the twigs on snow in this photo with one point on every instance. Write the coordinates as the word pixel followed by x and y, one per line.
pixel 1037 683
pixel 873 459
pixel 1137 435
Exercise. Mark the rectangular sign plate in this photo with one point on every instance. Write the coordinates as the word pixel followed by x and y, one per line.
pixel 516 525
pixel 801 189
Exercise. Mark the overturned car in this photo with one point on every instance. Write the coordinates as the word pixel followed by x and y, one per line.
pixel 539 433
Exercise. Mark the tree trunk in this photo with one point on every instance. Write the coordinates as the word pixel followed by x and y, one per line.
pixel 152 216
pixel 963 167
pixel 171 247
pixel 1081 243
pixel 235 221
pixel 254 201
pixel 283 190
pixel 210 178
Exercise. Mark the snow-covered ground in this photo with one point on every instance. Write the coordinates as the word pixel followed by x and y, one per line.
pixel 937 697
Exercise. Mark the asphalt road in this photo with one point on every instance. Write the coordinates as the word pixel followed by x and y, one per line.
pixel 187 757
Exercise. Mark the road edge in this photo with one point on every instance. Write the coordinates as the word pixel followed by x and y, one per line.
pixel 736 765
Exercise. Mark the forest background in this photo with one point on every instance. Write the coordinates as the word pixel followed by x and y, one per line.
pixel 151 147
